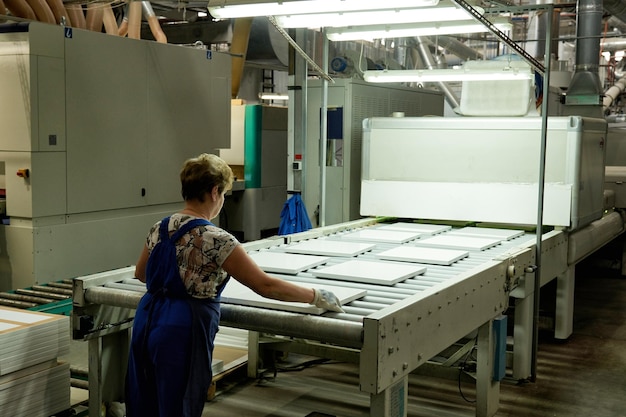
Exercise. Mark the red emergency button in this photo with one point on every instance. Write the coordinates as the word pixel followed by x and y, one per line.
pixel 23 173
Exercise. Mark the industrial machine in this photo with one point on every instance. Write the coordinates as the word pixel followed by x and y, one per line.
pixel 479 172
pixel 351 100
pixel 94 131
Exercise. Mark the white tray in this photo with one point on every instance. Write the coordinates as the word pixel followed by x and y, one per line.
pixel 458 242
pixel 329 247
pixel 437 256
pixel 503 234
pixel 384 236
pixel 370 272
pixel 286 263
pixel 237 293
pixel 430 229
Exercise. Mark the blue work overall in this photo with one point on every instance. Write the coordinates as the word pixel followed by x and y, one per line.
pixel 169 367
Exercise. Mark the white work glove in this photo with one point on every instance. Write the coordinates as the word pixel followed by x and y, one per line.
pixel 326 300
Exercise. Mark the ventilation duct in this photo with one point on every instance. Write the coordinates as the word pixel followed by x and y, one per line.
pixel 585 88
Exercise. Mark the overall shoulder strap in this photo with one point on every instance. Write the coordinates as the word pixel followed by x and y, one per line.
pixel 187 227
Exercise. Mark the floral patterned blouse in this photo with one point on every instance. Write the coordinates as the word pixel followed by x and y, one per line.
pixel 200 254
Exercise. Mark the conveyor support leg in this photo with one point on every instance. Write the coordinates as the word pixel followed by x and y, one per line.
pixel 253 354
pixel 487 389
pixel 392 402
pixel 564 320
pixel 522 336
pixel 108 357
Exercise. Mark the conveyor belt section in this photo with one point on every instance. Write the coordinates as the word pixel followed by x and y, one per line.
pixel 53 297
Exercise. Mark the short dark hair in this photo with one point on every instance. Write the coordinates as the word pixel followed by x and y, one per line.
pixel 199 175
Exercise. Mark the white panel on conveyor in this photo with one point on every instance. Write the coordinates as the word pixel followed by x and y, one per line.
pixel 286 263
pixel 371 272
pixel 458 242
pixel 437 256
pixel 430 229
pixel 504 234
pixel 237 293
pixel 377 235
pixel 329 247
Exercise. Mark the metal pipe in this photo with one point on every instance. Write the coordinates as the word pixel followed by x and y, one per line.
pixel 323 131
pixel 612 93
pixel 540 200
pixel 323 329
pixel 424 52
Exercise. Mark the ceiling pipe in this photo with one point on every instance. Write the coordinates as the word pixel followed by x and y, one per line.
pixel 613 93
pixel 458 48
pixel 422 47
pixel 616 8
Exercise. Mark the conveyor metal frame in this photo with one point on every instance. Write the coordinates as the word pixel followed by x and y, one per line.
pixel 391 342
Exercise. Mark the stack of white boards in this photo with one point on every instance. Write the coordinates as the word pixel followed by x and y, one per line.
pixel 33 382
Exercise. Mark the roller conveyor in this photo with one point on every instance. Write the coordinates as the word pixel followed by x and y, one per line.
pixel 54 297
pixel 443 303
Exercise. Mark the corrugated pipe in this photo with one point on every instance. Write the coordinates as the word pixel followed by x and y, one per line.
pixel 617 8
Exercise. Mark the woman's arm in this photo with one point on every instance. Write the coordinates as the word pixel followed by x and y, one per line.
pixel 245 270
pixel 140 268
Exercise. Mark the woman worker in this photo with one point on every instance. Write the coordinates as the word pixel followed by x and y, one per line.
pixel 185 264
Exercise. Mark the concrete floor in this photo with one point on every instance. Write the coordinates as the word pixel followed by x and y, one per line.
pixel 584 376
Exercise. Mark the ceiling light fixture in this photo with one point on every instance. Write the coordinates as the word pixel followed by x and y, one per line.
pixel 228 9
pixel 404 30
pixel 441 12
pixel 507 73
pixel 273 96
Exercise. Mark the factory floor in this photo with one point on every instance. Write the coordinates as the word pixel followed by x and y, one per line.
pixel 584 376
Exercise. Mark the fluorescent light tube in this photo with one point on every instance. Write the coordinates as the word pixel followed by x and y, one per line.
pixel 226 9
pixel 405 30
pixel 447 75
pixel 273 96
pixel 376 17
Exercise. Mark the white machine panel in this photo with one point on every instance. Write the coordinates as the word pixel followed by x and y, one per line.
pixel 371 272
pixel 489 166
pixel 286 263
pixel 237 293
pixel 424 255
